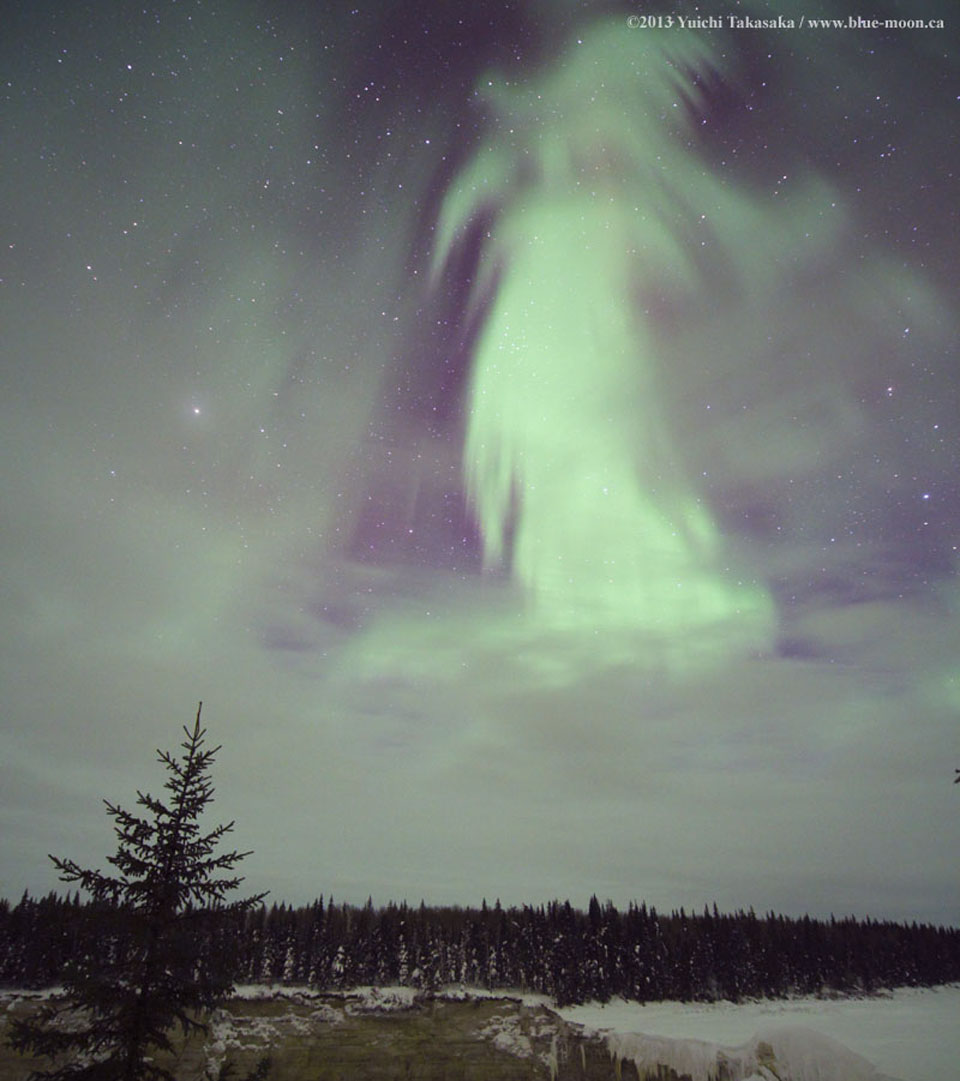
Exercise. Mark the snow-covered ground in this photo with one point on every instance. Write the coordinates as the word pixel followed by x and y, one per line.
pixel 906 1035
pixel 911 1035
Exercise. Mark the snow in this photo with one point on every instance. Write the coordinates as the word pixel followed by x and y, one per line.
pixel 506 1033
pixel 791 1054
pixel 906 1035
pixel 366 999
pixel 515 1034
pixel 911 1035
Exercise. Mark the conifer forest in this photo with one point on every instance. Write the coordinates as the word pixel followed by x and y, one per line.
pixel 573 956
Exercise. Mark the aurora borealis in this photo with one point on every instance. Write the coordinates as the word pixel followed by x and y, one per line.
pixel 535 438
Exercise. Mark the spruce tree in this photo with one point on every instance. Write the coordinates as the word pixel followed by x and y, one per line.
pixel 165 924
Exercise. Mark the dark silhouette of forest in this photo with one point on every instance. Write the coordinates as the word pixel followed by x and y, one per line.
pixel 556 949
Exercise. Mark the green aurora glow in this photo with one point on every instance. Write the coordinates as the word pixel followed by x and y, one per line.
pixel 545 471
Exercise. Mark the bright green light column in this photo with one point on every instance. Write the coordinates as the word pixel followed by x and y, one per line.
pixel 566 455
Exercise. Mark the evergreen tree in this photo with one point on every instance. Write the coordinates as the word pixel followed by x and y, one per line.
pixel 167 911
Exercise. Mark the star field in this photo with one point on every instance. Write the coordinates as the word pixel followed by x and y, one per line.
pixel 536 440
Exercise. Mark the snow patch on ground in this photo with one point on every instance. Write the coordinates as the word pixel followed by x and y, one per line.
pixel 910 1034
pixel 515 1034
pixel 799 1054
pixel 381 999
pixel 506 1034
pixel 253 992
pixel 229 1034
pixel 356 1000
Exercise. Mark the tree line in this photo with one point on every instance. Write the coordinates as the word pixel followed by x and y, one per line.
pixel 556 949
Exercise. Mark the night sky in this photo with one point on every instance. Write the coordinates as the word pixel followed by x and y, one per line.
pixel 535 438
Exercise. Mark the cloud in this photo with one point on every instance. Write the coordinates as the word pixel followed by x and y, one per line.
pixel 303 554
